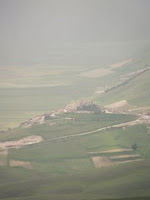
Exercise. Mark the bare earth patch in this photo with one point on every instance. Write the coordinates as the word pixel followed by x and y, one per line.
pixel 104 70
pixel 120 64
pixel 18 163
pixel 119 106
pixel 96 73
pixel 100 161
pixel 126 156
pixel 127 161
pixel 111 151
pixel 22 142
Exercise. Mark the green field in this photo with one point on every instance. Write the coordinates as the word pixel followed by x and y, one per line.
pixel 17 105
pixel 76 160
pixel 64 169
pixel 114 182
pixel 28 90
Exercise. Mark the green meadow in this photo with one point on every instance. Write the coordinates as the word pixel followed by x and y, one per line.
pixel 66 168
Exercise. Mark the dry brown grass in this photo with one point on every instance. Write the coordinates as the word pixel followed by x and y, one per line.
pixel 96 73
pixel 127 161
pixel 22 142
pixel 18 163
pixel 126 156
pixel 111 151
pixel 119 106
pixel 120 64
pixel 100 161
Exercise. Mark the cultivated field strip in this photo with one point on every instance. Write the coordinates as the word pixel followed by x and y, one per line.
pixel 111 151
pixel 125 156
pixel 107 158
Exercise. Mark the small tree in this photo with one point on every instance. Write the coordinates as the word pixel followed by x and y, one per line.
pixel 134 146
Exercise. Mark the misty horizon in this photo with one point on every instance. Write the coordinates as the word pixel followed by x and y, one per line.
pixel 62 32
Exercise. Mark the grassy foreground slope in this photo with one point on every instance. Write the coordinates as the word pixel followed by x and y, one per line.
pixel 111 182
pixel 63 169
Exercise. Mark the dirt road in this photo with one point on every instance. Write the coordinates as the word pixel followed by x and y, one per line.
pixel 121 125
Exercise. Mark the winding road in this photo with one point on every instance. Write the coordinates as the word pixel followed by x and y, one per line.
pixel 94 131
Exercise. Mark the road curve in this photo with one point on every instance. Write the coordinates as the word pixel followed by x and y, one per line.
pixel 94 131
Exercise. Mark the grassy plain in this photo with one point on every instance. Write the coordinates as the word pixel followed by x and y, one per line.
pixel 63 169
pixel 28 90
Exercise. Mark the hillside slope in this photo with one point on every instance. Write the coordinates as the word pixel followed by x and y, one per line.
pixel 136 92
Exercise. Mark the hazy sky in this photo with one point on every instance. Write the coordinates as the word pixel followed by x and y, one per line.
pixel 33 28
